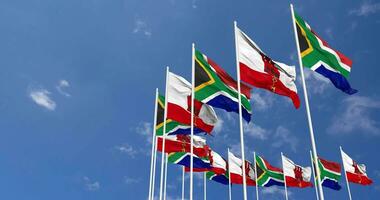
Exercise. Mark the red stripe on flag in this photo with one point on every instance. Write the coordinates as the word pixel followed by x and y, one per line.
pixel 358 178
pixel 292 182
pixel 262 80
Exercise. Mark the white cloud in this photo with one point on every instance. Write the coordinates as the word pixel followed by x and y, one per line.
pixel 262 100
pixel 366 8
pixel 316 83
pixel 129 180
pixel 256 131
pixel 41 97
pixel 329 32
pixel 62 84
pixel 145 129
pixel 127 149
pixel 141 27
pixel 218 126
pixel 194 4
pixel 356 115
pixel 283 137
pixel 274 191
pixel 91 185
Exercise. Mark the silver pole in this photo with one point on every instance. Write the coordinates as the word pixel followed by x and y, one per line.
pixel 315 181
pixel 345 174
pixel 152 160
pixel 286 189
pixel 229 175
pixel 307 104
pixel 257 185
pixel 192 119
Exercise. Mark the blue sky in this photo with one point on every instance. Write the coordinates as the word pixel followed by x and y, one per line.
pixel 78 78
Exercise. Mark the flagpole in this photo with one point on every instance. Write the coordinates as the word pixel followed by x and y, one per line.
pixel 164 135
pixel 183 183
pixel 257 185
pixel 192 119
pixel 315 182
pixel 166 174
pixel 204 186
pixel 345 174
pixel 286 189
pixel 307 104
pixel 154 167
pixel 151 185
pixel 240 114
pixel 229 175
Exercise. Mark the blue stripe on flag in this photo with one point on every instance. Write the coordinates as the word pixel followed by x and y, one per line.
pixel 337 79
pixel 273 182
pixel 197 162
pixel 331 184
pixel 220 179
pixel 229 105
pixel 186 131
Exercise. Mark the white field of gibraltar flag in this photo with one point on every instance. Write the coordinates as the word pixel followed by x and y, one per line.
pixel 236 171
pixel 356 173
pixel 179 105
pixel 295 175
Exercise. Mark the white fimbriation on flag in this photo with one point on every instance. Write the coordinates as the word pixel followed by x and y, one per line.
pixel 192 118
pixel 313 145
pixel 286 188
pixel 315 181
pixel 240 112
pixel 164 135
pixel 347 166
pixel 255 167
pixel 229 175
pixel 152 160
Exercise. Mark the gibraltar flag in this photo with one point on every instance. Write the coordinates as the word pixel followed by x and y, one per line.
pixel 218 164
pixel 356 173
pixel 295 175
pixel 236 171
pixel 259 70
pixel 179 105
pixel 182 143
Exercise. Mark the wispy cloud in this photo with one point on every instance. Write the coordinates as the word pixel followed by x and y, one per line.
pixel 316 82
pixel 218 126
pixel 366 8
pixel 91 185
pixel 256 131
pixel 284 137
pixel 126 149
pixel 142 28
pixel 262 100
pixel 274 191
pixel 194 4
pixel 42 98
pixel 62 85
pixel 130 180
pixel 329 33
pixel 356 115
pixel 145 129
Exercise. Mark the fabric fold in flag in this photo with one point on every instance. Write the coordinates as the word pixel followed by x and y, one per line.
pixel 179 105
pixel 295 175
pixel 217 88
pixel 317 55
pixel 183 158
pixel 330 173
pixel 267 175
pixel 182 143
pixel 356 173
pixel 235 165
pixel 259 70
pixel 220 178
pixel 218 164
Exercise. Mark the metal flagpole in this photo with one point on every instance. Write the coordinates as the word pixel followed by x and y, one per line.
pixel 257 185
pixel 183 183
pixel 192 119
pixel 315 181
pixel 204 186
pixel 164 135
pixel 286 189
pixel 166 174
pixel 229 175
pixel 151 185
pixel 345 174
pixel 240 115
pixel 307 104
pixel 154 167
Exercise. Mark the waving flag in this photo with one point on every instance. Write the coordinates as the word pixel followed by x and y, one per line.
pixel 295 175
pixel 330 174
pixel 257 69
pixel 181 143
pixel 236 171
pixel 267 175
pixel 179 105
pixel 218 164
pixel 356 173
pixel 317 55
pixel 220 178
pixel 172 127
pixel 183 158
pixel 216 88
